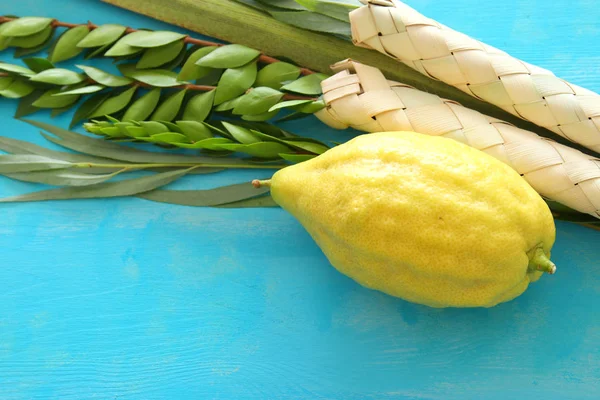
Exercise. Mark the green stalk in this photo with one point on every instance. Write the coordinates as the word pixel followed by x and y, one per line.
pixel 147 166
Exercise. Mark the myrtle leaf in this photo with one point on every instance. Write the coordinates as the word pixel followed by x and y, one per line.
pixel 261 149
pixel 25 26
pixel 62 177
pixel 311 147
pixel 289 104
pixel 157 56
pixel 58 76
pixel 33 41
pixel 5 82
pixel 312 107
pixel 91 53
pixel 11 163
pixel 142 107
pixel 194 130
pixel 228 105
pixel 88 107
pixel 104 78
pixel 199 106
pixel 297 158
pixel 38 64
pixel 66 45
pixel 169 108
pixel 228 56
pixel 102 36
pixel 23 51
pixel 126 187
pixel 82 90
pixel 156 77
pixel 206 144
pixel 167 137
pixel 17 69
pixel 212 78
pixel 153 127
pixel 154 39
pixel 123 46
pixel 309 84
pixel 240 134
pixel 260 117
pixel 49 100
pixel 16 90
pixel 114 104
pixel 234 82
pixel 274 75
pixel 257 101
pixel 25 106
pixel 190 71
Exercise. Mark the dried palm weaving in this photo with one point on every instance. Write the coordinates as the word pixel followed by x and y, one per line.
pixel 522 89
pixel 360 97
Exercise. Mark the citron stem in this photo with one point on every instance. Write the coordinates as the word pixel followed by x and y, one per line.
pixel 541 262
pixel 257 183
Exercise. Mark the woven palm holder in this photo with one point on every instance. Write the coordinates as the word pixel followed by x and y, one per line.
pixel 360 97
pixel 529 92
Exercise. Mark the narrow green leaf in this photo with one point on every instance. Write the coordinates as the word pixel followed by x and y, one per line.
pixel 156 77
pixel 283 4
pixel 26 106
pixel 228 105
pixel 261 149
pixel 114 104
pixel 260 117
pixel 88 107
pixel 175 62
pixel 206 144
pixel 331 8
pixel 240 134
pixel 289 103
pixel 17 69
pixel 212 78
pixel 199 106
pixel 309 84
pixel 123 46
pixel 228 56
pixel 127 187
pixel 60 110
pixel 143 107
pixel 33 41
pixel 167 137
pixel 171 126
pixel 10 163
pixel 58 76
pixel 22 51
pixel 49 100
pixel 157 56
pixel 153 127
pixel 155 39
pixel 82 90
pixel 313 22
pixel 234 82
pixel 206 198
pixel 292 116
pixel 190 70
pixel 296 158
pixel 25 26
pixel 136 131
pixel 312 107
pixel 311 147
pixel 102 36
pixel 257 101
pixel 255 202
pixel 16 90
pixel 62 177
pixel 274 75
pixel 91 53
pixel 38 64
pixel 169 108
pixel 194 130
pixel 5 82
pixel 104 78
pixel 66 45
pixel 111 131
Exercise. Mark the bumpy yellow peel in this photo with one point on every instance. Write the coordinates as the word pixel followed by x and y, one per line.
pixel 423 218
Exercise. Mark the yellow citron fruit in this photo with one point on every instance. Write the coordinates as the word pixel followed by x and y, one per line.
pixel 423 218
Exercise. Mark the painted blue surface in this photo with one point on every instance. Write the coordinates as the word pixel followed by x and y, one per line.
pixel 130 299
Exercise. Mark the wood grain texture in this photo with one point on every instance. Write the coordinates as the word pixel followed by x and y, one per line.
pixel 128 299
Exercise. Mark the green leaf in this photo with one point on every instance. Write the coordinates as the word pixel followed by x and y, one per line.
pixel 206 198
pixel 168 137
pixel 22 51
pixel 312 107
pixel 49 100
pixel 289 103
pixel 153 127
pixel 313 22
pixel 177 61
pixel 88 107
pixel 10 163
pixel 26 106
pixel 240 134
pixel 127 187
pixel 274 75
pixel 194 130
pixel 5 82
pixel 58 76
pixel 136 131
pixel 104 78
pixel 82 90
pixel 25 26
pixel 257 101
pixel 123 46
pixel 157 56
pixel 199 106
pixel 170 126
pixel 309 84
pixel 311 147
pixel 16 90
pixel 60 110
pixel 102 36
pixel 38 64
pixel 212 78
pixel 228 105
pixel 169 108
pixel 142 107
pixel 33 41
pixel 154 39
pixel 17 69
pixel 283 4
pixel 234 82
pixel 66 45
pixel 207 144
pixel 260 117
pixel 102 148
pixel 62 177
pixel 296 158
pixel 255 202
pixel 156 77
pixel 114 104
pixel 267 150
pixel 228 56
pixel 332 8
pixel 190 71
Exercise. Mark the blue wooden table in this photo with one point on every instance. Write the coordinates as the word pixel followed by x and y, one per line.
pixel 129 299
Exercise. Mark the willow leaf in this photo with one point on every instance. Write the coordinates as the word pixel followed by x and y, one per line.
pixel 157 56
pixel 206 198
pixel 313 22
pixel 102 36
pixel 142 107
pixel 66 44
pixel 255 202
pixel 88 107
pixel 26 106
pixel 169 108
pixel 190 71
pixel 229 56
pixel 61 177
pixel 332 8
pixel 11 163
pixel 127 187
pixel 114 104
pixel 25 26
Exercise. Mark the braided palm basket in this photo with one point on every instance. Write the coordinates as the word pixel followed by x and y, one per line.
pixel 360 97
pixel 529 92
